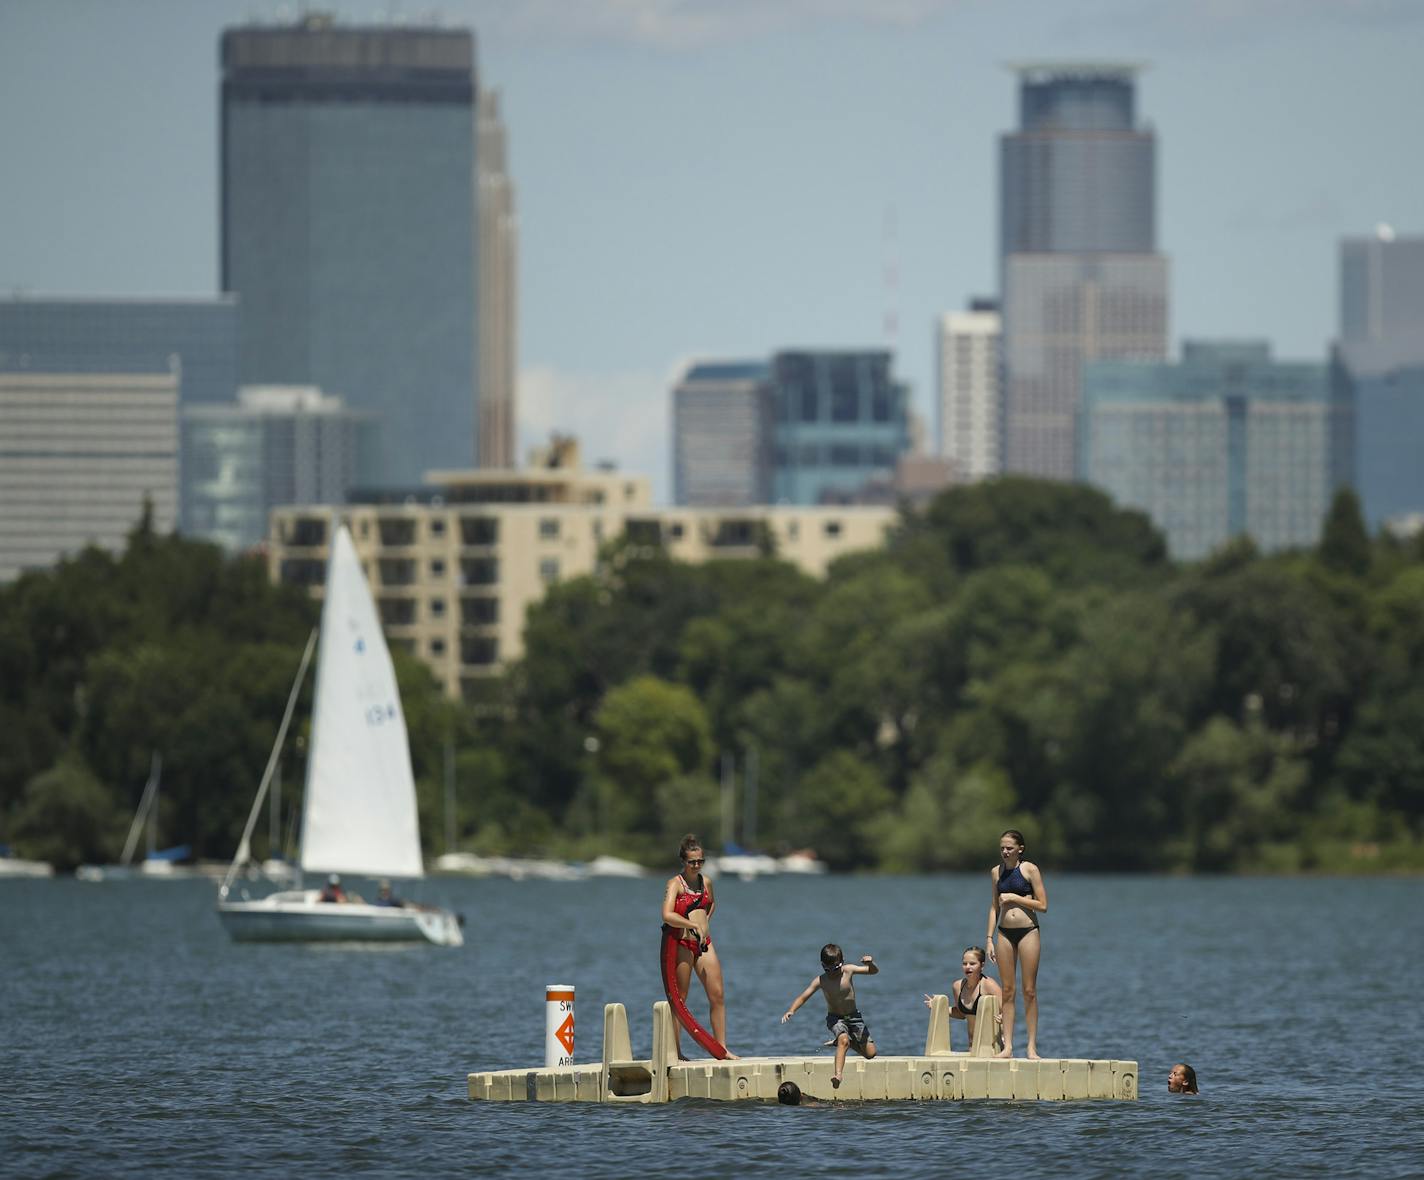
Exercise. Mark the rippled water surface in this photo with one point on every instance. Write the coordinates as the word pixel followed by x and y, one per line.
pixel 138 1039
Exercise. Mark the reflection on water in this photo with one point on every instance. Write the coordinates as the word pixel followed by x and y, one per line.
pixel 138 1038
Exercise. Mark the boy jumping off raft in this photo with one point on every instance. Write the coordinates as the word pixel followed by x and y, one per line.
pixel 843 1019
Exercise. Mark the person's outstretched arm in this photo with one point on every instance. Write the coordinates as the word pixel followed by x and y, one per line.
pixel 802 998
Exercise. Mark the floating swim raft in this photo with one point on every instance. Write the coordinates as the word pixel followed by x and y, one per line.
pixel 938 1074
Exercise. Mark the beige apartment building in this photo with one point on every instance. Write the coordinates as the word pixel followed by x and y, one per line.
pixel 454 570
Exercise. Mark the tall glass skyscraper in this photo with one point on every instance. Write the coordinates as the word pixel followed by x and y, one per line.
pixel 1078 264
pixel 1379 368
pixel 349 227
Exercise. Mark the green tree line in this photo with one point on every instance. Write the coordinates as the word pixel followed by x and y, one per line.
pixel 1018 654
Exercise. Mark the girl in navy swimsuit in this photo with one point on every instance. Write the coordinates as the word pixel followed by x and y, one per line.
pixel 1016 899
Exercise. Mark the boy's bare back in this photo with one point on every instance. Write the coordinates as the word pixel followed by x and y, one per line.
pixel 837 986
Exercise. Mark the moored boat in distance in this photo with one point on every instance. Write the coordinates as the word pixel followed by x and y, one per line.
pixel 359 811
pixel 14 866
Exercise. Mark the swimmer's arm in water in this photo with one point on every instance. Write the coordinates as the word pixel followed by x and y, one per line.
pixel 802 998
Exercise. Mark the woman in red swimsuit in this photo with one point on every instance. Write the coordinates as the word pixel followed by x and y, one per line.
pixel 687 907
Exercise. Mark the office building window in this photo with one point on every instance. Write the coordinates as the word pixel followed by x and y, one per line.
pixel 437 647
pixel 833 528
pixel 549 570
pixel 437 608
pixel 437 568
pixel 548 528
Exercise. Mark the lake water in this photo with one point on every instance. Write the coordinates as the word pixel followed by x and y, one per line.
pixel 138 1039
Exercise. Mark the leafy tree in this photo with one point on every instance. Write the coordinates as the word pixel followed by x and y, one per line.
pixel 1237 790
pixel 68 817
pixel 949 820
pixel 650 733
pixel 1344 541
pixel 831 808
pixel 1072 532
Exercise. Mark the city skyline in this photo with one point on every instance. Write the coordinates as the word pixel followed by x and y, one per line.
pixel 747 178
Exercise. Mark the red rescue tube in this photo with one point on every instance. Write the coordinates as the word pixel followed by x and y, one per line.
pixel 679 1006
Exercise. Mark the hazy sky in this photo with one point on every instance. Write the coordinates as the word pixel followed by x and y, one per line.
pixel 729 177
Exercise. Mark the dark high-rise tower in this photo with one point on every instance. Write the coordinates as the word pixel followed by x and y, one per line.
pixel 349 227
pixel 1077 237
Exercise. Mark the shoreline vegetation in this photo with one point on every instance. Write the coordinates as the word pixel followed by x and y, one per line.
pixel 1018 654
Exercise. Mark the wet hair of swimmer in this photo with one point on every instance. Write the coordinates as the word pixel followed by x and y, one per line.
pixel 831 956
pixel 1191 1079
pixel 1018 839
pixel 976 950
pixel 788 1094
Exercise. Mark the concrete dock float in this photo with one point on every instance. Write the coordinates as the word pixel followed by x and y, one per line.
pixel 938 1074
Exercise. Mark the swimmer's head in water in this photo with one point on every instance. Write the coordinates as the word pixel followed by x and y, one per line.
pixel 788 1094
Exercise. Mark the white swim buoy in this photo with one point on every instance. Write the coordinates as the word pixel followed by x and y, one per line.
pixel 558 1025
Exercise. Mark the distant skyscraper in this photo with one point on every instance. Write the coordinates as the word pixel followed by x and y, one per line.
pixel 1379 369
pixel 274 446
pixel 1227 442
pixel 1079 272
pixel 349 226
pixel 969 365
pixel 722 434
pixel 126 335
pixel 841 424
pixel 498 246
pixel 80 454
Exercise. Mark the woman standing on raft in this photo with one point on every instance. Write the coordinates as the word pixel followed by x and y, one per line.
pixel 688 905
pixel 1016 898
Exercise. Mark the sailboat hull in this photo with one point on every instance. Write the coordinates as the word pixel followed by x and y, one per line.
pixel 299 917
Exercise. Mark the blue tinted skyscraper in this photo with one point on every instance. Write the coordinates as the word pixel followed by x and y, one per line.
pixel 1227 442
pixel 841 425
pixel 194 338
pixel 1078 263
pixel 349 227
pixel 1379 367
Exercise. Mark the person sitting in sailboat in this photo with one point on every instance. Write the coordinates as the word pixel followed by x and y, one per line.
pixel 384 896
pixel 332 890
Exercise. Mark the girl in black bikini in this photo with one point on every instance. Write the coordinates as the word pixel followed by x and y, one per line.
pixel 968 990
pixel 1016 899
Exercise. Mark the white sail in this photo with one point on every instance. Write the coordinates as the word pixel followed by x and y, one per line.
pixel 359 814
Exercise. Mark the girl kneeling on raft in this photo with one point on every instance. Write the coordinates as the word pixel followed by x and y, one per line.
pixel 964 1003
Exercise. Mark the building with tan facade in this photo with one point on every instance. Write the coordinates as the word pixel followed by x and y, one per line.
pixel 455 568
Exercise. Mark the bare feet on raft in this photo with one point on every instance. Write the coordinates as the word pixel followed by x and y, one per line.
pixel 1032 1054
pixel 1007 1051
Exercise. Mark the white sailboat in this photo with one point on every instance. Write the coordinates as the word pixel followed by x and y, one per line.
pixel 359 812
pixel 161 864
